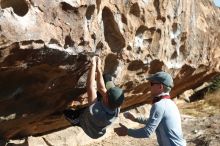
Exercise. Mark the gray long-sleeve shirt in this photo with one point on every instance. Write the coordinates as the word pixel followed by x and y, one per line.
pixel 165 120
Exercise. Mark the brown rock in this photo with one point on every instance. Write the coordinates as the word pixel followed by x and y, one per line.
pixel 45 46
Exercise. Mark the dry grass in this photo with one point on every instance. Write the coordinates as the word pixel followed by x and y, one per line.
pixel 213 99
pixel 210 105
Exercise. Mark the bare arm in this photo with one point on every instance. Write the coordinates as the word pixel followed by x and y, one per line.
pixel 91 91
pixel 100 81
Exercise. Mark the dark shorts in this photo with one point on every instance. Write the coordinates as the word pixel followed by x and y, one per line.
pixel 73 115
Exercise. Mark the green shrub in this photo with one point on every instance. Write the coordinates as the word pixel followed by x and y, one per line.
pixel 215 85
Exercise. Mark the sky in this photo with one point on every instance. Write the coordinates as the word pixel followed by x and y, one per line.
pixel 217 2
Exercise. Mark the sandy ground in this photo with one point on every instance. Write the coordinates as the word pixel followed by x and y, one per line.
pixel 202 132
pixel 201 127
pixel 200 124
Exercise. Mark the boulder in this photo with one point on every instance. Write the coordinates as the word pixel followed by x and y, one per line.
pixel 45 48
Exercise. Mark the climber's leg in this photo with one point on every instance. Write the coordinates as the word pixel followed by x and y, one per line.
pixel 73 116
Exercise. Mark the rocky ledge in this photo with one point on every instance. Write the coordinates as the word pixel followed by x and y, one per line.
pixel 45 48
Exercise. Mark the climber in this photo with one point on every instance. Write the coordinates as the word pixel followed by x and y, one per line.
pixel 164 115
pixel 101 112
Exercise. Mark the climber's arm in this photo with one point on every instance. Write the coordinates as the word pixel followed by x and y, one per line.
pixel 100 81
pixel 91 84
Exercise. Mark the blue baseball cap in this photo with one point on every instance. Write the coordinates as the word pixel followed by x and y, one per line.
pixel 162 77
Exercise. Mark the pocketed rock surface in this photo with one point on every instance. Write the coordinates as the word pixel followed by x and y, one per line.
pixel 46 47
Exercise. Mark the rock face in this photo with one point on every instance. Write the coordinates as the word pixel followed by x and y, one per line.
pixel 45 48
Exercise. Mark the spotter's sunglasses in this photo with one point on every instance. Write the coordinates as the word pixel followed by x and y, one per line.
pixel 154 83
